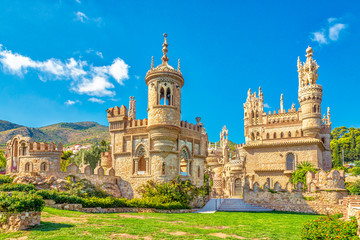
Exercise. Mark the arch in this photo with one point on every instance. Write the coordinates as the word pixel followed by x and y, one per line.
pixel 281 134
pixel 257 136
pixel 267 136
pixel 43 167
pixel 162 96
pixel 297 133
pixel 290 161
pixel 238 187
pixel 289 134
pixel 184 160
pixel 140 150
pixel 252 114
pixel 256 187
pixel 314 110
pixel 28 167
pixel 141 165
pixel 252 136
pixel 274 135
pixel 168 96
pixel 257 114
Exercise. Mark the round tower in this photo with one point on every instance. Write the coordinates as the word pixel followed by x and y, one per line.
pixel 164 102
pixel 310 95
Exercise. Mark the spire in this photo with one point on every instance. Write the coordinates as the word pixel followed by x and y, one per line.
pixel 328 115
pixel 178 65
pixel 152 62
pixel 282 102
pixel 164 58
pixel 308 70
pixel 132 108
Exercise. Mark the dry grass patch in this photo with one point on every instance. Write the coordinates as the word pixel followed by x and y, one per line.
pixel 224 235
pixel 127 236
pixel 178 233
pixel 131 216
pixel 59 219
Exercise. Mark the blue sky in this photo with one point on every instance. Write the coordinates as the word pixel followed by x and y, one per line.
pixel 70 60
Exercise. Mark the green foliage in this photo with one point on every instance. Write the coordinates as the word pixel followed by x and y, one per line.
pixel 355 171
pixel 299 175
pixel 20 202
pixel 66 159
pixel 6 179
pixel 2 160
pixel 174 191
pixel 353 187
pixel 104 146
pixel 83 188
pixel 329 227
pixel 345 141
pixel 91 156
pixel 20 187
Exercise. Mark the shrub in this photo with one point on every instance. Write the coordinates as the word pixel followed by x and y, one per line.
pixel 329 227
pixel 6 179
pixel 83 188
pixel 299 175
pixel 355 171
pixel 20 202
pixel 353 187
pixel 20 187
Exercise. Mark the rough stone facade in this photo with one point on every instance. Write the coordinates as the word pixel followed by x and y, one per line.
pixel 19 221
pixel 161 147
pixel 275 142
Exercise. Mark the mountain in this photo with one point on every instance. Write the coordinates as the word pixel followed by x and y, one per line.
pixel 66 133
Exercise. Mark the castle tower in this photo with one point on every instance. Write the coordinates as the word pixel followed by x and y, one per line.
pixel 310 95
pixel 253 114
pixel 132 108
pixel 164 102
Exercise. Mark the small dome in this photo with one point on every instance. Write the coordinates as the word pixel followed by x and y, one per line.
pixel 309 50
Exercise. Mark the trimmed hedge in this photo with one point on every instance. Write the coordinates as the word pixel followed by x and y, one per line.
pixel 330 227
pixel 108 202
pixel 21 202
pixel 20 187
pixel 6 179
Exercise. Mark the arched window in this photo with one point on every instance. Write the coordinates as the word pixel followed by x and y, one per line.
pixel 289 134
pixel 27 167
pixel 257 136
pixel 168 97
pixel 281 134
pixel 296 133
pixel 314 109
pixel 163 169
pixel 142 165
pixel 43 167
pixel 274 135
pixel 199 172
pixel 323 140
pixel 184 158
pixel 162 96
pixel 252 136
pixel 267 136
pixel 290 162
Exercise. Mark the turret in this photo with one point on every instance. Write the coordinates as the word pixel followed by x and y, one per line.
pixel 253 108
pixel 310 95
pixel 164 101
pixel 132 108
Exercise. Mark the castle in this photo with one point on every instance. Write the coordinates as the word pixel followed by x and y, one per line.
pixel 163 147
pixel 275 142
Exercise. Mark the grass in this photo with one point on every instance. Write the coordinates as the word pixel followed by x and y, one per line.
pixel 61 224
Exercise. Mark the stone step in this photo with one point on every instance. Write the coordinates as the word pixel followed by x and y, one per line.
pixel 238 205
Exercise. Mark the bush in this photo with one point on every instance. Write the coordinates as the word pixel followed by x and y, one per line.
pixel 355 171
pixel 299 175
pixel 6 179
pixel 20 187
pixel 330 227
pixel 83 188
pixel 20 202
pixel 353 187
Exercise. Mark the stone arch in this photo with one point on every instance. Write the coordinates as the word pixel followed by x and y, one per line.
pixel 162 100
pixel 43 167
pixel 256 187
pixel 288 186
pixel 289 134
pixel 267 136
pixel 297 133
pixel 168 97
pixel 110 171
pixel 277 187
pixel 312 187
pixel 184 160
pixel 282 135
pixel 87 169
pixel 290 161
pixel 28 167
pixel 274 135
pixel 314 109
pixel 140 150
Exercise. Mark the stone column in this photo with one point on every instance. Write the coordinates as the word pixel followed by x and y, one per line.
pixel 136 165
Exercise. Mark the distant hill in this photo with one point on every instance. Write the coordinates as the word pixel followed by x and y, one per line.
pixel 66 133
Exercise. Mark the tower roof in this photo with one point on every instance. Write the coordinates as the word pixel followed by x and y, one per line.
pixel 164 67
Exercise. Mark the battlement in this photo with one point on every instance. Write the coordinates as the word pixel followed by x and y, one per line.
pixel 137 123
pixel 117 112
pixel 41 147
pixel 335 179
pixel 190 126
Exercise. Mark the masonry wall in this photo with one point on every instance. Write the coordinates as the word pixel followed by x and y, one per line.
pixel 19 221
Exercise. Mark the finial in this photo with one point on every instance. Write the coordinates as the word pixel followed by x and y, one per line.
pixel 178 65
pixel 164 58
pixel 152 62
pixel 309 52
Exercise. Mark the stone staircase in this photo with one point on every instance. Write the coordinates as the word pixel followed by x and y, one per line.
pixel 238 205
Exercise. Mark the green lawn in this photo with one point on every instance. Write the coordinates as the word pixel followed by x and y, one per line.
pixel 61 224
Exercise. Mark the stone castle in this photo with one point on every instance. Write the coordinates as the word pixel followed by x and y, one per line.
pixel 163 147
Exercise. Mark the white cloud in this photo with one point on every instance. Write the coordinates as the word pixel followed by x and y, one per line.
pixel 70 102
pixel 99 54
pixel 85 78
pixel 96 100
pixel 78 1
pixel 319 37
pixel 329 33
pixel 80 16
pixel 266 105
pixel 334 31
pixel 137 77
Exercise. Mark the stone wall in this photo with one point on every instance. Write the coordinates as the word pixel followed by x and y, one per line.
pixel 18 221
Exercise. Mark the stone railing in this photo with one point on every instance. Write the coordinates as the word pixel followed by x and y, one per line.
pixel 12 222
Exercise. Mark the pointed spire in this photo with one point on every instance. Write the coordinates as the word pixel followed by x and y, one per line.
pixel 282 102
pixel 152 62
pixel 164 58
pixel 178 65
pixel 328 115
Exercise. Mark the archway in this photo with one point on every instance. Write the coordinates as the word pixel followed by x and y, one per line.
pixel 238 187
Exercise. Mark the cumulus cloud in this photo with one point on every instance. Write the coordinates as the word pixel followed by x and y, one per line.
pixel 330 33
pixel 334 31
pixel 266 105
pixel 85 78
pixel 96 100
pixel 71 102
pixel 80 16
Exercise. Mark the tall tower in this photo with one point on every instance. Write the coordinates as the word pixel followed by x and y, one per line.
pixel 164 102
pixel 253 115
pixel 132 108
pixel 310 95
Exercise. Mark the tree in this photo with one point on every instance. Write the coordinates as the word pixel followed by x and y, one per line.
pixel 299 175
pixel 2 160
pixel 91 156
pixel 66 159
pixel 104 146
